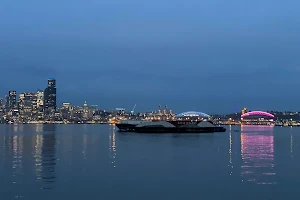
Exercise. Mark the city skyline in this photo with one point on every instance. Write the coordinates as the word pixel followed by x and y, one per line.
pixel 77 102
pixel 198 55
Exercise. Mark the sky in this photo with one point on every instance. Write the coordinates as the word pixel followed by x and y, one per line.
pixel 213 56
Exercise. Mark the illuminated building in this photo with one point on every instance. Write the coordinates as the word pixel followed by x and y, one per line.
pixel 257 118
pixel 1 107
pixel 244 111
pixel 39 104
pixel 40 98
pixel 12 100
pixel 66 106
pixel 85 111
pixel 77 112
pixel 92 111
pixel 27 106
pixel 50 99
pixel 66 110
pixel 51 83
pixel 192 115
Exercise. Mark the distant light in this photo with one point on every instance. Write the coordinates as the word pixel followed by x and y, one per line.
pixel 192 114
pixel 257 113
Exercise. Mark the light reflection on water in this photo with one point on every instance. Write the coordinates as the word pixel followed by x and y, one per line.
pixel 40 160
pixel 257 153
pixel 47 162
pixel 230 153
pixel 112 145
pixel 40 146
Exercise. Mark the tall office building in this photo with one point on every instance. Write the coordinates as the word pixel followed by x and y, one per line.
pixel 1 108
pixel 39 104
pixel 27 105
pixel 51 82
pixel 85 111
pixel 40 98
pixel 50 99
pixel 12 100
pixel 66 110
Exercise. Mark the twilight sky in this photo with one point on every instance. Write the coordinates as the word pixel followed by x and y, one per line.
pixel 209 55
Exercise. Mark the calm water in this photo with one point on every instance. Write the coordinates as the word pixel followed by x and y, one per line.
pixel 95 161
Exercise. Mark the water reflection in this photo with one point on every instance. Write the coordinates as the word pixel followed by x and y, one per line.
pixel 112 145
pixel 38 149
pixel 47 162
pixel 291 146
pixel 291 142
pixel 230 153
pixel 257 152
pixel 17 156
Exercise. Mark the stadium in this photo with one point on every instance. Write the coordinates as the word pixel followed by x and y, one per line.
pixel 257 118
pixel 193 115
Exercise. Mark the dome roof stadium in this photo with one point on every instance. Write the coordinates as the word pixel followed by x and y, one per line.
pixel 259 113
pixel 193 114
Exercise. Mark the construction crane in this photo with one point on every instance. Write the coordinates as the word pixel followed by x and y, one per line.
pixel 167 110
pixel 160 110
pixel 132 111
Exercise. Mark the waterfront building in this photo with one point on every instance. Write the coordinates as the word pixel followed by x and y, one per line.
pixel 257 118
pixel 39 105
pixel 1 110
pixel 67 106
pixel 40 98
pixel 27 105
pixel 244 111
pixel 85 111
pixel 12 100
pixel 92 110
pixel 66 111
pixel 50 99
pixel 77 113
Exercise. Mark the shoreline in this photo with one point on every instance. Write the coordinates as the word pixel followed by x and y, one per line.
pixel 57 123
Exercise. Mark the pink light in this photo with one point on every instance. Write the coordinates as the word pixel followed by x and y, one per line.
pixel 257 113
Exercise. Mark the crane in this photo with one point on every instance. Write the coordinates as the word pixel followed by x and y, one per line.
pixel 132 111
pixel 160 109
pixel 167 110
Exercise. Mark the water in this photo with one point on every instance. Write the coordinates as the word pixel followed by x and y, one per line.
pixel 97 162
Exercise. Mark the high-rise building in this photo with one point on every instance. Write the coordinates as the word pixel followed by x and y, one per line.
pixel 51 82
pixel 1 108
pixel 50 99
pixel 66 110
pixel 85 111
pixel 40 98
pixel 39 104
pixel 66 106
pixel 12 100
pixel 27 105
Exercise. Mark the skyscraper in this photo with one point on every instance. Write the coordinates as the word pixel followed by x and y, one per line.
pixel 27 105
pixel 85 111
pixel 51 82
pixel 12 100
pixel 39 104
pixel 50 99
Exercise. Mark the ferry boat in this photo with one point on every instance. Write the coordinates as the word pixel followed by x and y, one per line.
pixel 179 126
